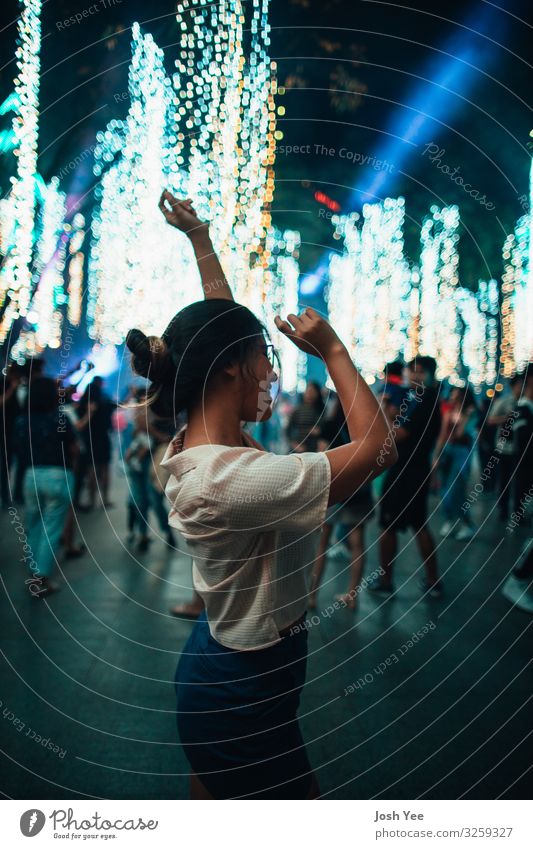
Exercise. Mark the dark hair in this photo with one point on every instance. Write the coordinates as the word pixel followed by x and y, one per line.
pixel 42 395
pixel 468 399
pixel 394 369
pixel 201 340
pixel 92 395
pixel 429 364
pixel 318 404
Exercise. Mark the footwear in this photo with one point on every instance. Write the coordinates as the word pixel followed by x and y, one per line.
pixel 349 600
pixel 338 551
pixel 465 532
pixel 144 542
pixel 376 586
pixel 446 528
pixel 519 593
pixel 72 553
pixel 43 588
pixel 435 590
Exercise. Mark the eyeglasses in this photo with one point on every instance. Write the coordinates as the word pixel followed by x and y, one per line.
pixel 270 352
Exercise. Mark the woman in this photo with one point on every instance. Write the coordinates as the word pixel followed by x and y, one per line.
pixel 248 518
pixel 47 445
pixel 453 459
pixel 303 429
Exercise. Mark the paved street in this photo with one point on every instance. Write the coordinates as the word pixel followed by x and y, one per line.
pixel 87 695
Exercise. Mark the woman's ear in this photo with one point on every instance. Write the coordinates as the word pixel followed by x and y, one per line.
pixel 233 370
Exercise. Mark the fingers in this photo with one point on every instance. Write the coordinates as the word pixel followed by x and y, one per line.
pixel 283 326
pixel 295 320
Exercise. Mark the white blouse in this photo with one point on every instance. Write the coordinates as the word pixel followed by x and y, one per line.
pixel 250 521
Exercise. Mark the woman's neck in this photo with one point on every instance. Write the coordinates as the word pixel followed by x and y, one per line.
pixel 214 423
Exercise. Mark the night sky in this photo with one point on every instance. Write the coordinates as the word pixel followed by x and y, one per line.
pixel 357 75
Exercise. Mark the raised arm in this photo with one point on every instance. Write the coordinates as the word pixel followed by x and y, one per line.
pixel 182 215
pixel 372 448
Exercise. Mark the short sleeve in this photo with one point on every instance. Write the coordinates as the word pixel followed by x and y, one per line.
pixel 247 489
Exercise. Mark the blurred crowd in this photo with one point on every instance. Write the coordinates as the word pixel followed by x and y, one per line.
pixel 60 443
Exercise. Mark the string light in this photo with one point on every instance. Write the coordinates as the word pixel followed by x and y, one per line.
pixel 282 250
pixel 44 317
pixel 439 336
pixel 75 271
pixel 17 217
pixel 368 291
pixel 208 135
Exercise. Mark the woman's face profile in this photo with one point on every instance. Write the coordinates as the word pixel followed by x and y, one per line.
pixel 258 379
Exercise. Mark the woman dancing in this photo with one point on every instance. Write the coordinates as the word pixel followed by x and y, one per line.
pixel 250 521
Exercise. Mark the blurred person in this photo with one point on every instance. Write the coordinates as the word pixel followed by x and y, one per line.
pixel 394 391
pixel 97 436
pixel 68 406
pixel 518 588
pixel 523 449
pixel 352 514
pixel 404 497
pixel 502 417
pixel 453 460
pixel 9 410
pixel 31 369
pixel 46 444
pixel 303 429
pixel 486 440
pixel 137 462
pixel 247 517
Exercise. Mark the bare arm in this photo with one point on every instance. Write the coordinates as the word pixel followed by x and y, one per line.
pixel 182 215
pixel 372 448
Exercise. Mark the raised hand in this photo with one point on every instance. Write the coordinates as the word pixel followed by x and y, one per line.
pixel 182 215
pixel 311 333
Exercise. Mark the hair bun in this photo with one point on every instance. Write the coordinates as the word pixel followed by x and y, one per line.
pixel 151 356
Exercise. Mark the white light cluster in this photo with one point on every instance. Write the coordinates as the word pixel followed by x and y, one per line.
pixel 225 129
pixel 208 135
pixel 140 270
pixel 281 279
pixel 520 268
pixel 517 298
pixel 489 306
pixel 439 333
pixel 44 317
pixel 368 292
pixel 17 217
pixel 75 270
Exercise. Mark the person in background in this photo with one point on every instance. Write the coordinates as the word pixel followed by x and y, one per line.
pixel 68 537
pixel 352 514
pixel 486 440
pixel 453 459
pixel 523 445
pixel 404 498
pixel 394 391
pixel 97 436
pixel 305 421
pixel 502 417
pixel 137 460
pixel 9 410
pixel 31 370
pixel 46 444
pixel 518 587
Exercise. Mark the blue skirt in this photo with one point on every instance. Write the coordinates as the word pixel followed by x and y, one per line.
pixel 236 713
